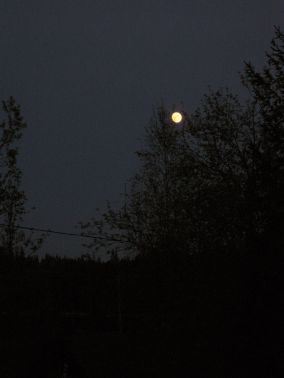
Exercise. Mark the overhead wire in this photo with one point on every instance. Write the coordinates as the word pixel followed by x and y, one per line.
pixel 72 234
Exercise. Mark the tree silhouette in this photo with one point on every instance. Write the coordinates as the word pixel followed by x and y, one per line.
pixel 12 198
pixel 267 91
pixel 212 184
pixel 147 215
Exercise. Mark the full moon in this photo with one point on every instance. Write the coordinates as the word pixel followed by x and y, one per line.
pixel 176 117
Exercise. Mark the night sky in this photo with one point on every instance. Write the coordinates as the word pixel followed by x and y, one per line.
pixel 87 75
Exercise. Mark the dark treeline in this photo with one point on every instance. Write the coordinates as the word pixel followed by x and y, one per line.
pixel 198 292
pixel 212 315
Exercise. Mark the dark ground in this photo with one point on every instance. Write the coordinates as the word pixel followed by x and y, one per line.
pixel 198 322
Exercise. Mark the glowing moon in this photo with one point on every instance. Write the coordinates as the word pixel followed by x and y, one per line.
pixel 176 117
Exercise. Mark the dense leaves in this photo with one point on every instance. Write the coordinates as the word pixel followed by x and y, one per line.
pixel 213 184
pixel 12 197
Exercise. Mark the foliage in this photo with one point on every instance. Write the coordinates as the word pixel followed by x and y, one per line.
pixel 215 183
pixel 12 197
pixel 267 91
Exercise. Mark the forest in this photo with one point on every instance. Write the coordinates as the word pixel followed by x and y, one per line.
pixel 192 282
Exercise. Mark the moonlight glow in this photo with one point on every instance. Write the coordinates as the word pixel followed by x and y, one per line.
pixel 176 117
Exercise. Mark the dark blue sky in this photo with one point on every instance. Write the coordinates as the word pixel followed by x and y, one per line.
pixel 88 73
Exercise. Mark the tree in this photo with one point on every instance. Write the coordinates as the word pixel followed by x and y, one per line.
pixel 13 199
pixel 188 196
pixel 267 91
pixel 148 213
pixel 212 184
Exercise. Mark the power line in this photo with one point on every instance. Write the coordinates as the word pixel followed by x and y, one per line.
pixel 73 234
